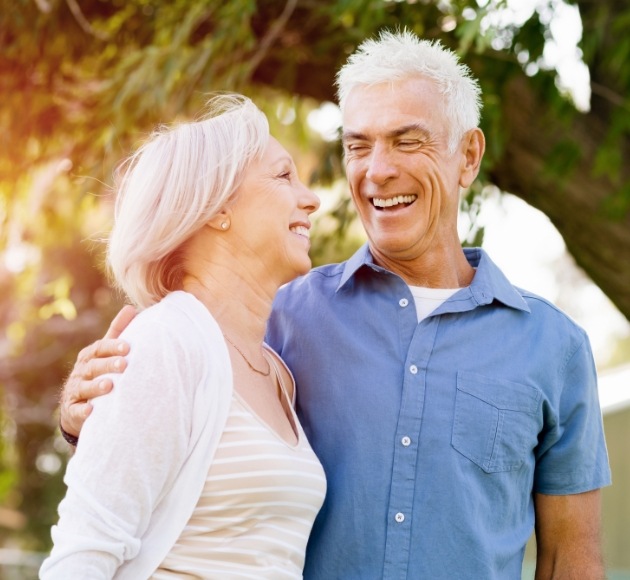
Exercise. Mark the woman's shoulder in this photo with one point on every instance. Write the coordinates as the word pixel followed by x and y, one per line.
pixel 180 313
pixel 178 322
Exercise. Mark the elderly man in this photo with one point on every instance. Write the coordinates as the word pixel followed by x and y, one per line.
pixel 453 412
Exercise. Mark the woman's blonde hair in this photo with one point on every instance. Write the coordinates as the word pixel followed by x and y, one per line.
pixel 179 179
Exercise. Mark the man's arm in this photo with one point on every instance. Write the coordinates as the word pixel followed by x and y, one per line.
pixel 84 383
pixel 568 537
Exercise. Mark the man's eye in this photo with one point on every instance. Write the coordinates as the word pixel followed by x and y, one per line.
pixel 408 144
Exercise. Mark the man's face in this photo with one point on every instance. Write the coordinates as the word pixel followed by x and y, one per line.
pixel 404 182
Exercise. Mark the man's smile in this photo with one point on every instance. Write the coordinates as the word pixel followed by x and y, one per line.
pixel 382 203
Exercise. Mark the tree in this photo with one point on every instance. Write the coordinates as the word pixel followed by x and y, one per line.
pixel 115 68
pixel 571 165
pixel 83 82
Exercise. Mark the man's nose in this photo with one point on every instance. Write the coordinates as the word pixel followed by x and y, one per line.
pixel 381 164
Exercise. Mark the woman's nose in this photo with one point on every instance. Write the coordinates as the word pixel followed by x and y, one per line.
pixel 308 200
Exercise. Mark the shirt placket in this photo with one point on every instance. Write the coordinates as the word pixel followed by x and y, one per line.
pixel 398 528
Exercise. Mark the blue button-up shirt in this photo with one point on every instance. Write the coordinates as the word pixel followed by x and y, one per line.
pixel 434 435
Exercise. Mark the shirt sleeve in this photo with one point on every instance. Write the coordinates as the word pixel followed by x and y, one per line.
pixel 572 456
pixel 128 456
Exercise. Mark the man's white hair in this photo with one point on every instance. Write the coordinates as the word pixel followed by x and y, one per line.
pixel 173 185
pixel 394 56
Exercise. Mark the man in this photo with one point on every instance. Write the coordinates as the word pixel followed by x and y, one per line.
pixel 452 411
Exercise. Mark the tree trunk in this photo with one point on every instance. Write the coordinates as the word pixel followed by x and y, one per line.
pixel 578 203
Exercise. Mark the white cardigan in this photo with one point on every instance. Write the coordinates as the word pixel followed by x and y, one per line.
pixel 145 451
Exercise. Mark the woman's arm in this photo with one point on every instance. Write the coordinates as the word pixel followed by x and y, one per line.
pixel 129 454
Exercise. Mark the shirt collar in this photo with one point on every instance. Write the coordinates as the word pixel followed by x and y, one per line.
pixel 361 257
pixel 488 284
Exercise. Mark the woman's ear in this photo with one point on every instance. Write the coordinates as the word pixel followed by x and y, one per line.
pixel 474 146
pixel 222 221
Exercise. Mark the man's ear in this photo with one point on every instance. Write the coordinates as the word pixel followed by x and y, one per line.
pixel 474 146
pixel 222 221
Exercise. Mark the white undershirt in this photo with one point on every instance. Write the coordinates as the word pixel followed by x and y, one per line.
pixel 428 299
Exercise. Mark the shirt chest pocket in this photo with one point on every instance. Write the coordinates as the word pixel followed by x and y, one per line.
pixel 496 422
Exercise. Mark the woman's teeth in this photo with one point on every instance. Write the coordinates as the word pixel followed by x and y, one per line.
pixel 300 231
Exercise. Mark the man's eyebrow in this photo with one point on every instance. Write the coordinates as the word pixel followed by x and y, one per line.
pixel 348 135
pixel 398 132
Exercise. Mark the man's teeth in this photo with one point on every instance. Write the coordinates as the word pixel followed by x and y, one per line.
pixel 380 202
pixel 300 230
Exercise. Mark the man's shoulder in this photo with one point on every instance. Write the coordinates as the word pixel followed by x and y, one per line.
pixel 547 314
pixel 326 272
pixel 319 279
pixel 543 313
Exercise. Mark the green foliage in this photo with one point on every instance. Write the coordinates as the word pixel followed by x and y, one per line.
pixel 564 158
pixel 611 156
pixel 470 207
pixel 336 234
pixel 531 37
pixel 617 205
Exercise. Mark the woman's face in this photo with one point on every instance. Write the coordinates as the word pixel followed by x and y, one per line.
pixel 270 216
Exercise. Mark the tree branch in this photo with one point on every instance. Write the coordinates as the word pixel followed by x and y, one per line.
pixel 272 34
pixel 43 6
pixel 609 95
pixel 82 21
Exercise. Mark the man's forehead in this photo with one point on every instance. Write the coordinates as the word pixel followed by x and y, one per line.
pixel 412 104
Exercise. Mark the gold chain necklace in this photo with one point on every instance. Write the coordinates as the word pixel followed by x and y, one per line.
pixel 251 366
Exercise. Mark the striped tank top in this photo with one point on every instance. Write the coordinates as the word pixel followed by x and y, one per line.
pixel 257 507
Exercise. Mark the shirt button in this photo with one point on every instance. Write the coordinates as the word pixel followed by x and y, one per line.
pixel 413 369
pixel 399 517
pixel 406 441
pixel 403 302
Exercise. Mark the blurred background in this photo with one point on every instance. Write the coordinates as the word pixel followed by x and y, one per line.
pixel 83 82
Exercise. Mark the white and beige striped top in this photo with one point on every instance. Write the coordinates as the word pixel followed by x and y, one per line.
pixel 257 507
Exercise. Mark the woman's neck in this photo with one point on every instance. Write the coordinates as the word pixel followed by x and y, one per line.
pixel 241 307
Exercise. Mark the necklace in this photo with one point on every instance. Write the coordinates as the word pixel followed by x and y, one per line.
pixel 250 365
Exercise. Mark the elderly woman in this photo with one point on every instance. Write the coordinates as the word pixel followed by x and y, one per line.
pixel 195 465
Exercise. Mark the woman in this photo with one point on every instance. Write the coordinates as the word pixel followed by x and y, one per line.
pixel 196 464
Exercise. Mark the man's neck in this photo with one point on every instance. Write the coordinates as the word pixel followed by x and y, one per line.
pixel 431 270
